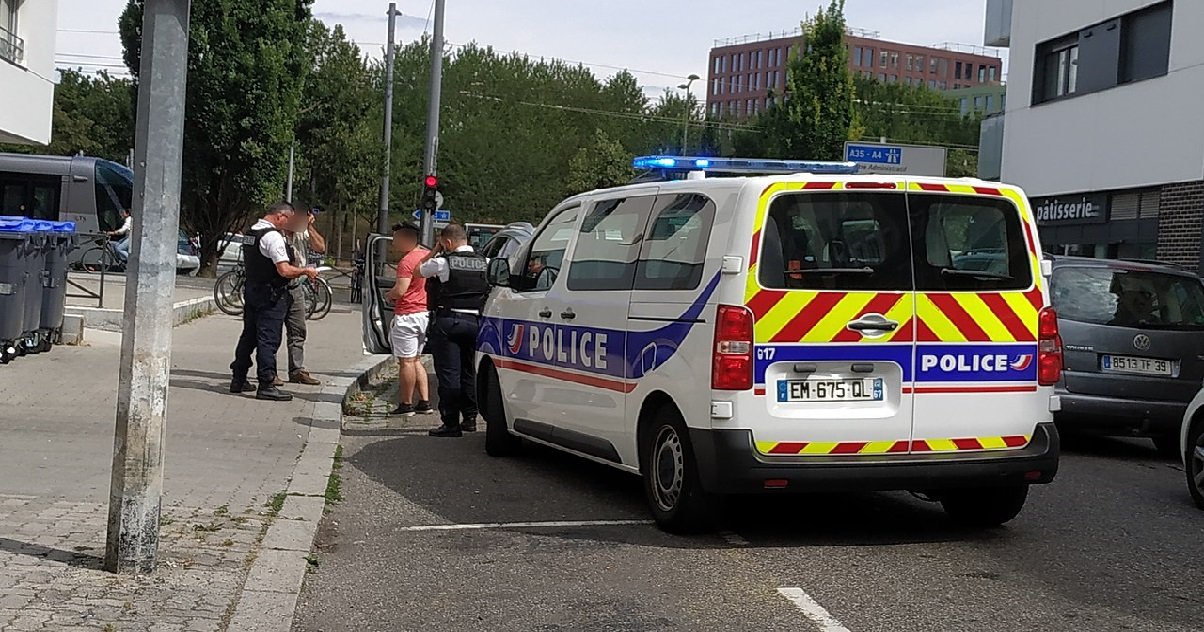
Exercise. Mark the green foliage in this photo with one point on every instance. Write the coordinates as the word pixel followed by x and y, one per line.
pixel 93 115
pixel 815 121
pixel 247 63
pixel 604 163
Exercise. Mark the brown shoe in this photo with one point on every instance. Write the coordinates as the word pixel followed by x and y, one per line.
pixel 303 377
pixel 277 382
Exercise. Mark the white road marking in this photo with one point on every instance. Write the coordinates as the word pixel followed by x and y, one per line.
pixel 526 525
pixel 812 610
pixel 734 539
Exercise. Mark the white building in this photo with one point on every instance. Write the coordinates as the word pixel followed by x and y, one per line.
pixel 1103 126
pixel 27 40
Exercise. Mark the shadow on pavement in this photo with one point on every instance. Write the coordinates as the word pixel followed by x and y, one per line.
pixel 70 558
pixel 454 479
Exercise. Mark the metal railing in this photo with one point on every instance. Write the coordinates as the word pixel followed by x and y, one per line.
pixel 970 49
pixel 784 34
pixel 12 48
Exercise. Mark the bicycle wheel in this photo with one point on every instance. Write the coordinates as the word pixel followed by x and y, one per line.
pixel 323 299
pixel 227 293
pixel 96 260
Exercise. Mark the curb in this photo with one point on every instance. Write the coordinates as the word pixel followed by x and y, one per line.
pixel 111 320
pixel 273 584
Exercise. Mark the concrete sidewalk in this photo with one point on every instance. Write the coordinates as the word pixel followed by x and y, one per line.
pixel 228 459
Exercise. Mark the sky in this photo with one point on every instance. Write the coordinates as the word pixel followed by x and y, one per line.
pixel 660 42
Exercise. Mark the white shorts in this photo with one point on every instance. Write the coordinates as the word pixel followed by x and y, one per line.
pixel 408 334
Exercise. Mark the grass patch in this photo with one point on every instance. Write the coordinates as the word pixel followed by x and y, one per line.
pixel 166 521
pixel 224 510
pixel 276 504
pixel 212 527
pixel 334 485
pixel 227 542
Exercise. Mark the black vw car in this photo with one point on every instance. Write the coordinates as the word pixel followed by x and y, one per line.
pixel 1133 339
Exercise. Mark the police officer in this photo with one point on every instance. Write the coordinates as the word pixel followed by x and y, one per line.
pixel 268 259
pixel 457 286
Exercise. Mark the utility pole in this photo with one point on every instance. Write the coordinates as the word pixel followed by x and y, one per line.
pixel 288 194
pixel 382 218
pixel 430 161
pixel 137 482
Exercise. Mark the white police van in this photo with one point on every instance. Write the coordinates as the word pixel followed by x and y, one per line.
pixel 813 330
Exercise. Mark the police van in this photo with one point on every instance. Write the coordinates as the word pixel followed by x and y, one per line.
pixel 722 333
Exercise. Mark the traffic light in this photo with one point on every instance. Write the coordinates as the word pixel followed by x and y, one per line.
pixel 430 195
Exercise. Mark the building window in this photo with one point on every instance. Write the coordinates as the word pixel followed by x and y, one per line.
pixel 718 65
pixel 882 77
pixel 933 64
pixel 958 72
pixel 982 74
pixel 857 56
pixel 944 70
pixel 894 60
pixel 865 74
pixel 988 104
pixel 892 79
pixel 932 84
pixel 911 62
pixel 1058 71
pixel 979 103
pixel 965 106
pixel 1145 44
pixel 944 85
pixel 883 59
pixel 992 73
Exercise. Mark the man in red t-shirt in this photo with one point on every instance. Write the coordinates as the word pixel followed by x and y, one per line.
pixel 410 321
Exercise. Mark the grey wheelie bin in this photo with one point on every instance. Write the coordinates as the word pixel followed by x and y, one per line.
pixel 35 265
pixel 54 293
pixel 15 235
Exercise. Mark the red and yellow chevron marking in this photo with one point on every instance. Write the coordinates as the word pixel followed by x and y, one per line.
pixel 816 448
pixel 816 317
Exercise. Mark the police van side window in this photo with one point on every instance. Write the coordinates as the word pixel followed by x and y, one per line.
pixel 546 254
pixel 608 244
pixel 968 244
pixel 675 245
pixel 836 241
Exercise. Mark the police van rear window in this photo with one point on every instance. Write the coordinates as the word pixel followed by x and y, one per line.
pixel 893 242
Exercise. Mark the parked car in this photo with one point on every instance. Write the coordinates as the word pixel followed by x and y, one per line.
pixel 188 254
pixel 1192 448
pixel 1133 339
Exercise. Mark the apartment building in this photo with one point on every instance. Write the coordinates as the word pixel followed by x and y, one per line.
pixel 27 41
pixel 746 74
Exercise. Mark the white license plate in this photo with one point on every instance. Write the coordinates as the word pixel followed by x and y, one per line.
pixel 834 390
pixel 1141 366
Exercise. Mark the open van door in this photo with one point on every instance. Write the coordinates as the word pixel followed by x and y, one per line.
pixel 379 279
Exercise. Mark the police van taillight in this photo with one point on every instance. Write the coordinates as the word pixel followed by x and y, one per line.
pixel 1049 348
pixel 732 357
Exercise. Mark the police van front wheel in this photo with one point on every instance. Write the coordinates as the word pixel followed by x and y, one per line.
pixel 670 474
pixel 985 507
pixel 498 440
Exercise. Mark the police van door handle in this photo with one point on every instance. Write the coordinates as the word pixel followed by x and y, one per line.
pixel 568 314
pixel 873 323
pixel 546 313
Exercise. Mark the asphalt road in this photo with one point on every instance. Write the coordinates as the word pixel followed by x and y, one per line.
pixel 1113 544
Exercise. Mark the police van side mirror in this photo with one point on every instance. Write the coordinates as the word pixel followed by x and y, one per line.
pixel 499 272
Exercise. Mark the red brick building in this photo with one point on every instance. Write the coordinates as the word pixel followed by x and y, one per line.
pixel 744 71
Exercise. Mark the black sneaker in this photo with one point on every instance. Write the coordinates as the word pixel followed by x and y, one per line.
pixel 241 386
pixel 469 425
pixel 446 431
pixel 273 394
pixel 403 410
pixel 423 408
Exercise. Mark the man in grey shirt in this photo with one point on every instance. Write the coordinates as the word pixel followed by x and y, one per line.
pixel 304 239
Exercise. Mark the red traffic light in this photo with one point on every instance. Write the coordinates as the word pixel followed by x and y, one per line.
pixel 431 182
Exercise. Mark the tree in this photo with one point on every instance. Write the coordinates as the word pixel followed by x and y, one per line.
pixel 815 120
pixel 603 164
pixel 247 63
pixel 92 115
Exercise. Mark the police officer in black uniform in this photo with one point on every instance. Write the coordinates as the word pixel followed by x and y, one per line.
pixel 457 286
pixel 269 267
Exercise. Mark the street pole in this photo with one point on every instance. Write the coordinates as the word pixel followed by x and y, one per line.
pixel 137 480
pixel 430 161
pixel 382 218
pixel 288 195
pixel 685 128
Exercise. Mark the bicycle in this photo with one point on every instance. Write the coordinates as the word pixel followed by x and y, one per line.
pixel 101 257
pixel 319 297
pixel 227 291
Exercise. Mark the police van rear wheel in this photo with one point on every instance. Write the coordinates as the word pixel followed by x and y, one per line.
pixel 670 474
pixel 985 507
pixel 498 440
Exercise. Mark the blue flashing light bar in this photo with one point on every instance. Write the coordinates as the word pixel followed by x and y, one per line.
pixel 744 166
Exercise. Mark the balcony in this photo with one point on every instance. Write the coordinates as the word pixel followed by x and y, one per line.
pixel 12 48
pixel 999 23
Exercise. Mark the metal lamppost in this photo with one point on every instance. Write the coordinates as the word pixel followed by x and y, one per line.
pixel 685 129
